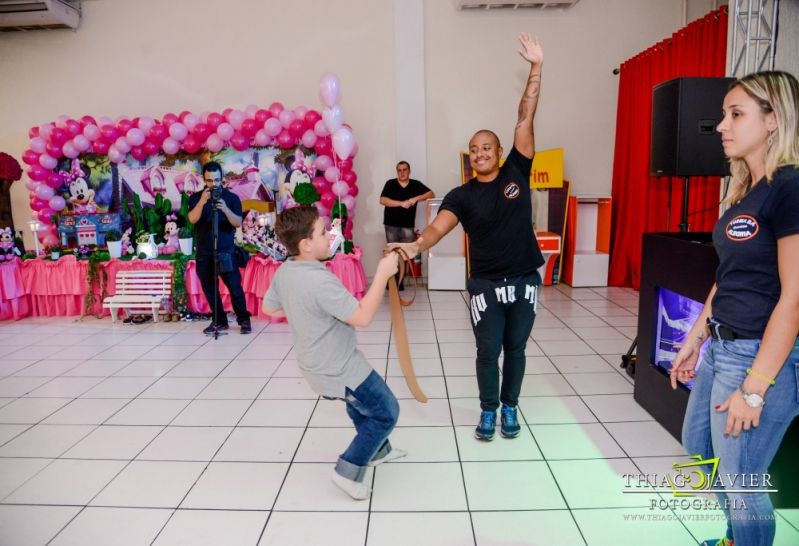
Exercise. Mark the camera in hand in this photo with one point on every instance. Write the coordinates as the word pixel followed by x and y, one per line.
pixel 216 194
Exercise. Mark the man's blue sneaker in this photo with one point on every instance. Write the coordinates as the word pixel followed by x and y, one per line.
pixel 485 428
pixel 718 542
pixel 510 423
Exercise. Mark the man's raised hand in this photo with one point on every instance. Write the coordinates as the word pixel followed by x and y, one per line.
pixel 531 50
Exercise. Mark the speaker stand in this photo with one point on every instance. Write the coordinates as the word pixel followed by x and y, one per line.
pixel 684 223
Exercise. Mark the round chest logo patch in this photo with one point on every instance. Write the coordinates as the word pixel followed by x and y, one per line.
pixel 742 228
pixel 512 190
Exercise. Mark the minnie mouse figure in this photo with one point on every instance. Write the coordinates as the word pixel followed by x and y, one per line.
pixel 80 194
pixel 172 244
pixel 297 172
pixel 8 250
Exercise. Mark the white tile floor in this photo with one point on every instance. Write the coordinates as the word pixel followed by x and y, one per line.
pixel 155 434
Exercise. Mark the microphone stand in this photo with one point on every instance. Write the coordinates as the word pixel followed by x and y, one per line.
pixel 215 237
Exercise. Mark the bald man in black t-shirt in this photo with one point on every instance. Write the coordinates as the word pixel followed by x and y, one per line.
pixel 495 210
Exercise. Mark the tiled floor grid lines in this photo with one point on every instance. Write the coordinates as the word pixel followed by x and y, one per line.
pixel 155 434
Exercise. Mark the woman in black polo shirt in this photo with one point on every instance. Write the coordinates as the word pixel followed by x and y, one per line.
pixel 745 392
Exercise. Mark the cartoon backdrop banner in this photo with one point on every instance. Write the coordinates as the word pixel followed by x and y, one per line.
pixel 86 168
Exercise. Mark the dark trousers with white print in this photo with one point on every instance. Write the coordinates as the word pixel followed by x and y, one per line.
pixel 503 313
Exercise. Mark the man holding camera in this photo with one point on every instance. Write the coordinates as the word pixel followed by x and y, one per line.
pixel 215 199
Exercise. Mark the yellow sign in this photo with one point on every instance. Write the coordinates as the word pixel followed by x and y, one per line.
pixel 547 169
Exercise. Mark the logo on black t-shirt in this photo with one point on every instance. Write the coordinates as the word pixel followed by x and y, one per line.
pixel 742 228
pixel 512 190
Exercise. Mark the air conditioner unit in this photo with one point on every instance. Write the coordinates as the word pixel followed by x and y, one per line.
pixel 38 14
pixel 504 4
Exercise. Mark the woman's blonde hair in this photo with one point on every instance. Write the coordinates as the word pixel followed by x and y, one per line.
pixel 775 92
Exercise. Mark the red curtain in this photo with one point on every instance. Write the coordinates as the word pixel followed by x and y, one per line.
pixel 639 200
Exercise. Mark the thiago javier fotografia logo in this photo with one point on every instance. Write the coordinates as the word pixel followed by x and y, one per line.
pixel 698 476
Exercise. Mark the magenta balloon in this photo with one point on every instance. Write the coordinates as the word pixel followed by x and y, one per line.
pixel 249 127
pixel 214 143
pixel 145 123
pixel 88 120
pixel 169 119
pixel 239 141
pixel 286 117
pixel 33 132
pixel 321 185
pixel 158 133
pixel 262 115
pixel 275 108
pixel 69 150
pixel 262 138
pixel 53 180
pixel 285 140
pixel 226 112
pixel 38 145
pixel 109 132
pixel 273 127
pixel 44 192
pixel 192 144
pixel 92 132
pixel 321 129
pixel 100 147
pixel 170 146
pixel 350 178
pixel 323 162
pixel 122 145
pixel 329 89
pixel 178 131
pixel 201 131
pixel 37 204
pixel 343 142
pixel 53 149
pixel 323 146
pixel 30 157
pixel 150 147
pixel 225 131
pixel 138 153
pixel 124 125
pixel 115 155
pixel 308 138
pixel 353 190
pixel 340 188
pixel 332 174
pixel 328 200
pixel 333 118
pixel 215 120
pixel 311 117
pixel 47 161
pixel 191 121
pixel 296 128
pixel 135 136
pixel 73 127
pixel 59 135
pixel 236 117
pixel 345 165
pixel 81 143
pixel 57 203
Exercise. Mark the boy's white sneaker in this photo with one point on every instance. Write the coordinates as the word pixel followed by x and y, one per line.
pixel 390 456
pixel 356 490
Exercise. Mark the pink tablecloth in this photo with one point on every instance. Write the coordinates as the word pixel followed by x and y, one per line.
pixel 13 299
pixel 43 287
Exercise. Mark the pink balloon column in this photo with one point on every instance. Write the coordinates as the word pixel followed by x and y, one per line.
pixel 323 133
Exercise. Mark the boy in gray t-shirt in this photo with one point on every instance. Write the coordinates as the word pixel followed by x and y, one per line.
pixel 322 315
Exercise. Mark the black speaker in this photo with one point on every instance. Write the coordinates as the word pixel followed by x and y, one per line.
pixel 685 113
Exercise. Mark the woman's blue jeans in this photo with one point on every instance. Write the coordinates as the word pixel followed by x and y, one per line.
pixel 374 412
pixel 750 516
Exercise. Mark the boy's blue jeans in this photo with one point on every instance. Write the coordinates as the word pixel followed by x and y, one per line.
pixel 374 411
pixel 750 516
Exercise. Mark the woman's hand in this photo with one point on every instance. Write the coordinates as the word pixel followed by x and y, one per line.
pixel 683 368
pixel 739 414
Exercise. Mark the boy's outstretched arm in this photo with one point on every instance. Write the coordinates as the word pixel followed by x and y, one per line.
pixel 368 306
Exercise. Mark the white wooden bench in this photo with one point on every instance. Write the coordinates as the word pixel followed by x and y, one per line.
pixel 140 292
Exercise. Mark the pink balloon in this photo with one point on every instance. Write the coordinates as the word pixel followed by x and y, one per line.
pixel 38 145
pixel 47 161
pixel 329 89
pixel 275 108
pixel 251 110
pixel 81 143
pixel 57 203
pixel 30 157
pixel 300 111
pixel 239 141
pixel 272 127
pixel 88 120
pixel 249 127
pixel 226 112
pixel 262 138
pixel 225 131
pixel 44 130
pixel 50 240
pixel 296 128
pixel 340 188
pixel 332 174
pixel 192 144
pixel 115 155
pixel 350 202
pixel 323 210
pixel 178 131
pixel 286 117
pixel 170 146
pixel 328 200
pixel 354 149
pixel 311 117
pixel 31 185
pixel 236 117
pixel 285 140
pixel 135 136
pixel 121 144
pixel 215 120
pixel 124 125
pixel 321 129
pixel 323 162
pixel 191 121
pixel 169 119
pixel 92 132
pixel 308 138
pixel 44 192
pixel 343 142
pixel 105 120
pixel 214 143
pixel 70 150
pixel 61 121
pixel 33 132
pixel 333 118
pixel 145 123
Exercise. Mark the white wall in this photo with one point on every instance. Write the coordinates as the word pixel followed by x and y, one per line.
pixel 149 57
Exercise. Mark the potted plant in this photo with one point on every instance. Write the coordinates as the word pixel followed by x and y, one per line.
pixel 186 241
pixel 146 248
pixel 114 241
pixel 54 251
